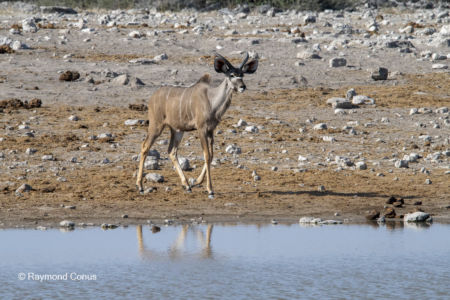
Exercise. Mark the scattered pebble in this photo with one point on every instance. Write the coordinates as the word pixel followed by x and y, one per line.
pixel 66 223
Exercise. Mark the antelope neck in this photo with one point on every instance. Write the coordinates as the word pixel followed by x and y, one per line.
pixel 220 97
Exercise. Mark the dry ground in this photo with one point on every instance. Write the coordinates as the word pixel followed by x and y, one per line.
pixel 104 192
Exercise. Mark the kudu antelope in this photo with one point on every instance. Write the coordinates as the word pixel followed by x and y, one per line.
pixel 198 107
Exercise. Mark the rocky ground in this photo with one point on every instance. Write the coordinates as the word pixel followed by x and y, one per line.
pixel 298 142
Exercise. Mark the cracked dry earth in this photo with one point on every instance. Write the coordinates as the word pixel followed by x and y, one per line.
pixel 91 179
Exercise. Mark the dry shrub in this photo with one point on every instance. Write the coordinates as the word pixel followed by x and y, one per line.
pixel 46 26
pixel 6 49
pixel 17 103
pixel 138 107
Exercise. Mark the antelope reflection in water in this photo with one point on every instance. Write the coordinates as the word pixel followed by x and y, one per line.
pixel 175 251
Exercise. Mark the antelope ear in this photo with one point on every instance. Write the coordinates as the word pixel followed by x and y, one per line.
pixel 220 65
pixel 250 67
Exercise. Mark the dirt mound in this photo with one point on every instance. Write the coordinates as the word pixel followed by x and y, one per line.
pixel 69 76
pixel 17 103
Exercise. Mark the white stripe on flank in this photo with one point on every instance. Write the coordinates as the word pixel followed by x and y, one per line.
pixel 168 92
pixel 181 98
pixel 190 105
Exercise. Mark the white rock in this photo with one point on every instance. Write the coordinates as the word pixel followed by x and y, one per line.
pixel 343 161
pixel 241 123
pixel 233 149
pixel 437 56
pixel 329 139
pixel 330 222
pixel 361 99
pixel 401 164
pixel 307 54
pixel 28 25
pixel 30 151
pixel 80 24
pixel 337 102
pixel 302 158
pixel 413 111
pixel 88 30
pixel 161 57
pixel 135 34
pixel 47 157
pixel 74 118
pixel 5 41
pixel 320 126
pixel 134 122
pixel 253 129
pixel 309 19
pixel 418 216
pixel 184 163
pixel 309 220
pixel 154 177
pixel 105 136
pixel 412 157
pixel 66 223
pixel 340 111
pixel 445 30
pixel 442 110
pixel 151 164
pixel 407 29
pixel 123 79
pixel 439 66
pixel 24 188
pixel 17 45
pixel 360 165
pixel 142 61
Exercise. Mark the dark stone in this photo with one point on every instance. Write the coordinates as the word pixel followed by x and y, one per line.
pixel 391 200
pixel 6 49
pixel 373 215
pixel 380 74
pixel 399 44
pixel 69 76
pixel 418 203
pixel 34 103
pixel 155 229
pixel 138 107
pixel 389 212
pixel 50 189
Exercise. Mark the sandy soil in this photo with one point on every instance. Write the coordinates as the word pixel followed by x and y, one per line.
pixel 92 191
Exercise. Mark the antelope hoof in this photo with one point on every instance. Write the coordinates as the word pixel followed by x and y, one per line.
pixel 211 195
pixel 188 189
pixel 140 189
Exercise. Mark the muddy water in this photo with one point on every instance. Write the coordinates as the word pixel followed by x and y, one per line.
pixel 228 262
